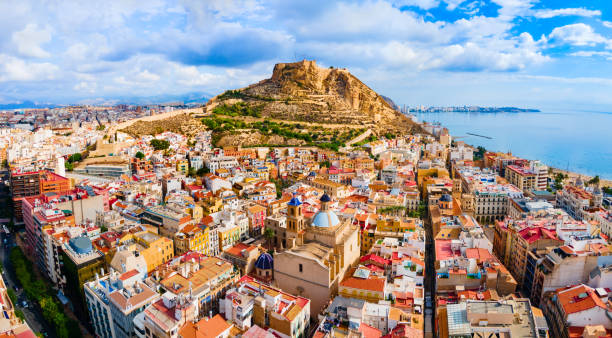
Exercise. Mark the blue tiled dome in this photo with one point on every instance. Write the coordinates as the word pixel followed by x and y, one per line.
pixel 81 245
pixel 325 219
pixel 325 198
pixel 264 262
pixel 446 198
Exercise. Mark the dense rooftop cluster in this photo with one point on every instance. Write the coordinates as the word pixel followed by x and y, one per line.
pixel 166 235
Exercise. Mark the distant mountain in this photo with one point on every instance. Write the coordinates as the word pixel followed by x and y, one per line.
pixel 187 98
pixel 390 102
pixel 305 92
pixel 25 105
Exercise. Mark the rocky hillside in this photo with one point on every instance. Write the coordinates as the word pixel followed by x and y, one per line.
pixel 305 92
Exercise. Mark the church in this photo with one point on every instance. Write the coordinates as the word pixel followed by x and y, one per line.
pixel 318 253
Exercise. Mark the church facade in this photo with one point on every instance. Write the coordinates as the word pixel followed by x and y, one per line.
pixel 317 255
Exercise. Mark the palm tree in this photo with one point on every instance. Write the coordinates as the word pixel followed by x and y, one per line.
pixel 269 234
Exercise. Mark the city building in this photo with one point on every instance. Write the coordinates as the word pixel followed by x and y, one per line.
pixel 318 254
pixel 254 303
pixel 503 318
pixel 114 300
pixel 204 278
pixel 80 263
pixel 574 308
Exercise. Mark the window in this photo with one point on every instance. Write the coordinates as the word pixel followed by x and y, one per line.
pixel 301 268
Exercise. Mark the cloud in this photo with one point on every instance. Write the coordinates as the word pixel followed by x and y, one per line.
pixel 591 53
pixel 452 4
pixel 578 34
pixel 424 4
pixel 510 9
pixel 124 48
pixel 551 13
pixel 233 46
pixel 15 69
pixel 30 39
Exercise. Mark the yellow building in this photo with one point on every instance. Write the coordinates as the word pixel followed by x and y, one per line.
pixel 182 166
pixel 387 227
pixel 431 172
pixel 363 284
pixel 396 224
pixel 196 212
pixel 211 205
pixel 192 237
pixel 155 249
pixel 228 236
pixel 263 172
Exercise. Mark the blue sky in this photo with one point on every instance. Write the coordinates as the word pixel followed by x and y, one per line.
pixel 527 53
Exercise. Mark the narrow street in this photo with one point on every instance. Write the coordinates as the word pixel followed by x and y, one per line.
pixel 430 280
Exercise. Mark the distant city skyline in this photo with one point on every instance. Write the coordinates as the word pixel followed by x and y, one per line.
pixel 523 53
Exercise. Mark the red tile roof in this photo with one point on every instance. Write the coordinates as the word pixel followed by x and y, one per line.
pixel 579 298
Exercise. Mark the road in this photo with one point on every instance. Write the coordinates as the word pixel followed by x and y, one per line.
pixel 430 279
pixel 32 315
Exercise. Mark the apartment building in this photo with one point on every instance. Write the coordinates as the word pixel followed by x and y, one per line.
pixel 76 206
pixel 218 162
pixel 80 262
pixel 578 308
pixel 205 278
pixel 508 318
pixel 193 237
pixel 251 303
pixel 155 249
pixel 549 270
pixel 23 185
pixel 168 220
pixel 114 300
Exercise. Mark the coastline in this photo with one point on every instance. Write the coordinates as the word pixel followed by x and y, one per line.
pixel 603 182
pixel 573 175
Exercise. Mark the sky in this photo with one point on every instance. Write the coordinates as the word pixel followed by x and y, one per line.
pixel 525 53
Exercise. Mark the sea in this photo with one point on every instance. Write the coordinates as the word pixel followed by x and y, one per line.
pixel 570 140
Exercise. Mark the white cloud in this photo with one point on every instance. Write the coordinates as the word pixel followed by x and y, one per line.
pixel 607 24
pixel 30 39
pixel 551 13
pixel 578 34
pixel 452 4
pixel 591 53
pixel 191 76
pixel 513 8
pixel 15 69
pixel 424 4
pixel 84 86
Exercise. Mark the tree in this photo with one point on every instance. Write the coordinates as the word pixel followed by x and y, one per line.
pixel 160 144
pixel 101 127
pixel 75 157
pixel 140 155
pixel 202 171
pixel 269 235
pixel 594 180
pixel 479 154
pixel 69 166
pixel 559 177
pixel 191 172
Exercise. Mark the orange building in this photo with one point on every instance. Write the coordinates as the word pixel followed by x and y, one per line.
pixel 52 182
